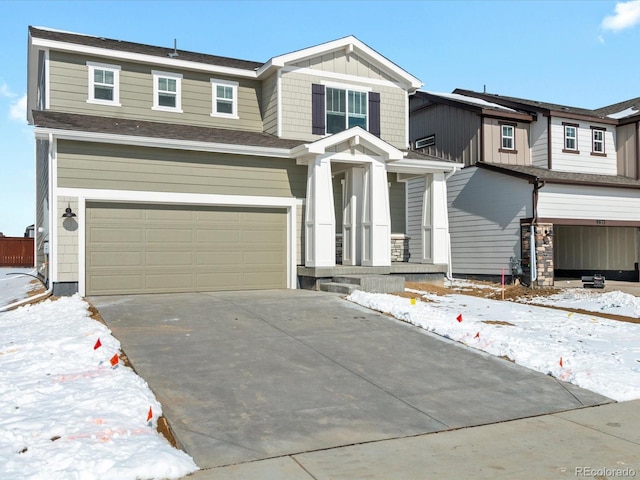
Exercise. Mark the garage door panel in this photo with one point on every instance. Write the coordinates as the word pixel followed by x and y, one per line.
pixel 159 248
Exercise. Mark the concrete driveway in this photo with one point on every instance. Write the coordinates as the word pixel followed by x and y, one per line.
pixel 252 375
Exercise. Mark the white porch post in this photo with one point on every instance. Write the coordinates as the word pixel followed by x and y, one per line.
pixel 352 216
pixel 376 221
pixel 426 227
pixel 440 219
pixel 320 221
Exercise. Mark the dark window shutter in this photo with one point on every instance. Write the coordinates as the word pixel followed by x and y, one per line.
pixel 374 113
pixel 318 109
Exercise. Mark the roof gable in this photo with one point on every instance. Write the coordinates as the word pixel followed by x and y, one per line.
pixel 346 47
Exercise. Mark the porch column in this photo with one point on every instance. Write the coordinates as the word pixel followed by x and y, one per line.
pixel 320 221
pixel 439 219
pixel 376 219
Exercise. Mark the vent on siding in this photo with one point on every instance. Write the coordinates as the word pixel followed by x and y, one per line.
pixel 426 142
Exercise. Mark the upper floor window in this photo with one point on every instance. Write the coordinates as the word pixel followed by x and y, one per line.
pixel 104 84
pixel 225 98
pixel 597 141
pixel 167 91
pixel 345 109
pixel 508 133
pixel 428 141
pixel 570 138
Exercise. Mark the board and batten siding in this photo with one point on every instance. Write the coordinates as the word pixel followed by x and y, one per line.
pixel 577 247
pixel 457 132
pixel 589 203
pixel 119 167
pixel 539 138
pixel 626 149
pixel 415 198
pixel 69 89
pixel 296 117
pixel 583 162
pixel 485 210
pixel 493 143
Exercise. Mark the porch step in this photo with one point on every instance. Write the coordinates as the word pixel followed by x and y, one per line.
pixel 373 283
pixel 334 287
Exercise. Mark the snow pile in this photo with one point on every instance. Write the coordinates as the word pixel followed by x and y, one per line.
pixel 14 287
pixel 615 303
pixel 65 411
pixel 594 353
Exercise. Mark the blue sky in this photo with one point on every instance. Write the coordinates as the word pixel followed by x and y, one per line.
pixel 577 53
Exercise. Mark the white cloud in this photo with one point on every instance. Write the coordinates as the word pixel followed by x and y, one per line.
pixel 18 109
pixel 5 91
pixel 627 14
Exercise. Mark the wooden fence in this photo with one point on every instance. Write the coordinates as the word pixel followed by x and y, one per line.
pixel 16 252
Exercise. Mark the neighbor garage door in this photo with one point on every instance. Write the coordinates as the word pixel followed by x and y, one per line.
pixel 133 248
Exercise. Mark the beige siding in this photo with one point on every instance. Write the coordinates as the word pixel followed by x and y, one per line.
pixel 105 166
pixel 67 253
pixel 70 84
pixel 165 248
pixel 346 64
pixel 493 144
pixel 589 247
pixel 269 104
pixel 626 140
pixel 300 212
pixel 457 132
pixel 296 108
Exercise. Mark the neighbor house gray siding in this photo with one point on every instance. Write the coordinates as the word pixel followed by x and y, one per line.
pixel 627 150
pixel 457 132
pixel 119 167
pixel 69 89
pixel 485 210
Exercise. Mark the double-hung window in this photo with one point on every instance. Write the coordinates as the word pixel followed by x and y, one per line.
pixel 508 135
pixel 104 84
pixel 167 91
pixel 345 109
pixel 597 141
pixel 570 138
pixel 225 98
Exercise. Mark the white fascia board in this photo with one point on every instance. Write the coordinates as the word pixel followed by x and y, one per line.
pixel 165 143
pixel 422 166
pixel 143 58
pixel 356 135
pixel 350 43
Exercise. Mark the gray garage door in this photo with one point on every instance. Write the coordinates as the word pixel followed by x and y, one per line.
pixel 133 248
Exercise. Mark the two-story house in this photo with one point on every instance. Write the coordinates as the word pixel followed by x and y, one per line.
pixel 163 170
pixel 551 187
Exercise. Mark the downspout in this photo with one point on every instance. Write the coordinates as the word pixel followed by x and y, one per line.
pixel 537 185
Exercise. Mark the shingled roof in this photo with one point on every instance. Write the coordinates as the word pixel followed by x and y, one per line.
pixel 119 45
pixel 120 126
pixel 538 174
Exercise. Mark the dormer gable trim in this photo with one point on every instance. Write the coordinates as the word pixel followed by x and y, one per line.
pixel 349 44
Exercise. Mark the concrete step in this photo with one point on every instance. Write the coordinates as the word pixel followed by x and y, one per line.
pixel 335 287
pixel 373 283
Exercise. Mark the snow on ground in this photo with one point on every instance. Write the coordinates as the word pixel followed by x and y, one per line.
pixel 65 411
pixel 13 286
pixel 595 353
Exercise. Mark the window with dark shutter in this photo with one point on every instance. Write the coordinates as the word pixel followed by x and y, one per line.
pixel 374 113
pixel 318 125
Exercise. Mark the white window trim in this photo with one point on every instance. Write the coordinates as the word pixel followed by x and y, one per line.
pixel 512 137
pixel 347 88
pixel 178 78
pixel 234 101
pixel 574 138
pixel 92 66
pixel 594 141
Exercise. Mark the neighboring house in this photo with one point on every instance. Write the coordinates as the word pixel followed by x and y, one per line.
pixel 162 170
pixel 556 181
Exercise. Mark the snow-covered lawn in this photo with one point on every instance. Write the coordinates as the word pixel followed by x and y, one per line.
pixel 69 409
pixel 595 353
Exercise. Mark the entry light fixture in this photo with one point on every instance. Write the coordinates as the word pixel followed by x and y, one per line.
pixel 68 213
